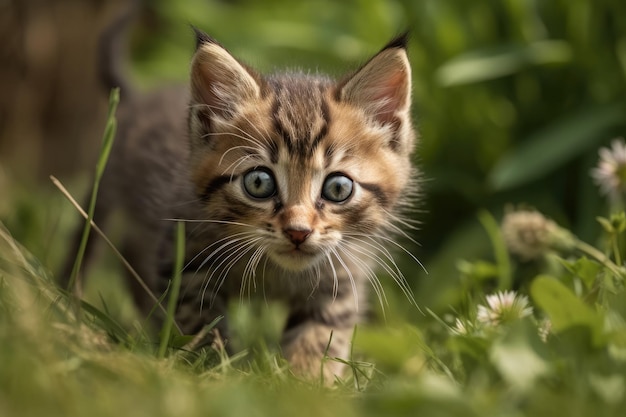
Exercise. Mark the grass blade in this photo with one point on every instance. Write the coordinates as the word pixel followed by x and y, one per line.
pixel 107 143
pixel 116 252
pixel 555 145
pixel 505 273
pixel 175 288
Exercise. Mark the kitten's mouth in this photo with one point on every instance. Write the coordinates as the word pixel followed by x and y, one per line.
pixel 295 259
pixel 295 252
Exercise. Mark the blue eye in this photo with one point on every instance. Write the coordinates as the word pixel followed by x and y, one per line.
pixel 259 183
pixel 337 188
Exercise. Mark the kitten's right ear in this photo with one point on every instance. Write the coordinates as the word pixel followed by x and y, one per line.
pixel 218 80
pixel 382 87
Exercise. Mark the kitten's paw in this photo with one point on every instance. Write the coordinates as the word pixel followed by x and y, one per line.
pixel 311 353
pixel 316 368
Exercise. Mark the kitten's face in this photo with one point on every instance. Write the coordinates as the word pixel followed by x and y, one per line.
pixel 296 166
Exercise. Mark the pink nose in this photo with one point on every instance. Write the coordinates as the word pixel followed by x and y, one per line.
pixel 297 236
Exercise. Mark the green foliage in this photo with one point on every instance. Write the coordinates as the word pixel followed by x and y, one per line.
pixel 74 365
pixel 512 99
pixel 564 309
pixel 498 353
pixel 555 145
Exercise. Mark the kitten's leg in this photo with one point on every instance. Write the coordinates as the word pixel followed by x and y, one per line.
pixel 140 250
pixel 199 307
pixel 316 335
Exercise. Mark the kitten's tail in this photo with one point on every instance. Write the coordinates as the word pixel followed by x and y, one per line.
pixel 112 50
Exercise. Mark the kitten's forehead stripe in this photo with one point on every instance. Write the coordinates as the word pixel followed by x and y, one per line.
pixel 325 113
pixel 329 154
pixel 300 113
pixel 273 151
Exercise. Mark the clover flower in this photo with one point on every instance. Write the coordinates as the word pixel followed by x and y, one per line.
pixel 502 307
pixel 610 174
pixel 461 327
pixel 545 328
pixel 529 234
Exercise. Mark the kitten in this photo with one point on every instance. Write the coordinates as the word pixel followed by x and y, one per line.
pixel 291 184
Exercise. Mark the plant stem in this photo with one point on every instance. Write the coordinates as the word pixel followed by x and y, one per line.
pixel 505 274
pixel 175 289
pixel 618 256
pixel 599 256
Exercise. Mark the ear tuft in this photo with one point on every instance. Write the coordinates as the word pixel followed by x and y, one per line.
pixel 400 41
pixel 382 87
pixel 202 37
pixel 219 83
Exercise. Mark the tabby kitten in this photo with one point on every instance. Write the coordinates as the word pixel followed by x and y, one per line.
pixel 291 184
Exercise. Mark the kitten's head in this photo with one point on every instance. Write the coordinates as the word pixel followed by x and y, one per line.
pixel 297 165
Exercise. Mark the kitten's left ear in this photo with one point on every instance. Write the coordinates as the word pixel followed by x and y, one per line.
pixel 218 80
pixel 382 87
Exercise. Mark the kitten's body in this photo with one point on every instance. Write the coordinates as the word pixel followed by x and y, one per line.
pixel 290 182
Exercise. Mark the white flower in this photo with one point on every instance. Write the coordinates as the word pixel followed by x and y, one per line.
pixel 545 328
pixel 487 316
pixel 610 174
pixel 460 327
pixel 503 307
pixel 529 234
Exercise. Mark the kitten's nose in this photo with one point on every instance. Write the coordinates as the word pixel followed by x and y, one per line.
pixel 297 236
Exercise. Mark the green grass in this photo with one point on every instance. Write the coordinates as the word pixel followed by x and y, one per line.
pixel 66 358
pixel 512 100
pixel 57 362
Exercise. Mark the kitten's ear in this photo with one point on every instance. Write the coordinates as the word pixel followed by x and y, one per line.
pixel 382 87
pixel 218 80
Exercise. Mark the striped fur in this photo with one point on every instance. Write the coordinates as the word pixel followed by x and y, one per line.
pixel 309 241
pixel 302 128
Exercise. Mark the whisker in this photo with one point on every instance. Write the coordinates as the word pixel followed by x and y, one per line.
pixel 352 282
pixel 335 279
pixel 229 241
pixel 370 275
pixel 246 136
pixel 265 136
pixel 257 145
pixel 249 273
pixel 228 109
pixel 225 254
pixel 399 230
pixel 211 221
pixel 234 148
pixel 393 242
pixel 224 274
pixel 236 164
pixel 211 272
pixel 315 279
pixel 263 281
pixel 395 272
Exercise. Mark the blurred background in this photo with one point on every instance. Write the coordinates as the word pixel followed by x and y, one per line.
pixel 512 99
